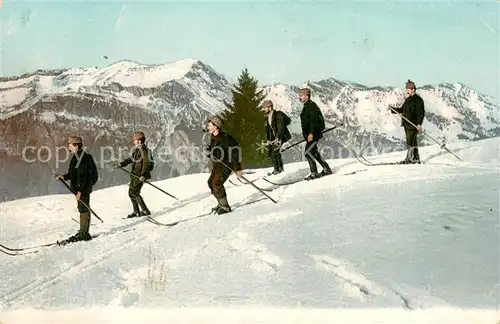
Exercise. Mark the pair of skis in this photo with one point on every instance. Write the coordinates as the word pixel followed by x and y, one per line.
pixel 158 223
pixel 37 248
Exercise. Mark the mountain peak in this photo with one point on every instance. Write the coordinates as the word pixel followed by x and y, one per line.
pixel 130 73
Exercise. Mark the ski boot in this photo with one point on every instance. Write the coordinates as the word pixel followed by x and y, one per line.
pixel 312 176
pixel 79 236
pixel 325 172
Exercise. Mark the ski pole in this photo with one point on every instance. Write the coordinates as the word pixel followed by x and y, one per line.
pixel 250 182
pixel 93 212
pixel 442 144
pixel 301 141
pixel 149 183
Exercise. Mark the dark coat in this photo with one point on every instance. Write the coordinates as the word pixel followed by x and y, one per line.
pixel 277 129
pixel 412 109
pixel 140 162
pixel 225 148
pixel 310 120
pixel 80 172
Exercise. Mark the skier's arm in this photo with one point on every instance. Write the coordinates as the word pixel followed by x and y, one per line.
pixel 316 120
pixel 125 162
pixel 308 118
pixel 396 110
pixel 280 126
pixel 420 111
pixel 67 176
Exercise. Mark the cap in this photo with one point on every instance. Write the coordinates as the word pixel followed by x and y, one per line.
pixel 75 140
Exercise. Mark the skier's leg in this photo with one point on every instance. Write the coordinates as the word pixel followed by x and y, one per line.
pixel 83 233
pixel 279 157
pixel 317 156
pixel 140 201
pixel 210 183
pixel 133 193
pixel 413 146
pixel 408 147
pixel 220 177
pixel 275 158
pixel 310 159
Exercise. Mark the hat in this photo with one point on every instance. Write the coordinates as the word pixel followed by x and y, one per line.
pixel 306 91
pixel 267 103
pixel 138 135
pixel 216 121
pixel 75 140
pixel 410 85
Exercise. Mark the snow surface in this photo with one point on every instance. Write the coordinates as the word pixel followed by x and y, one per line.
pixel 12 97
pixel 388 244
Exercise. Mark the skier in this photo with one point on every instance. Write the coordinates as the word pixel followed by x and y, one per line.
pixel 277 134
pixel 412 109
pixel 82 173
pixel 223 151
pixel 312 122
pixel 140 171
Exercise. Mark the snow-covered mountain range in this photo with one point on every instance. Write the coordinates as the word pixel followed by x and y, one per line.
pixel 170 101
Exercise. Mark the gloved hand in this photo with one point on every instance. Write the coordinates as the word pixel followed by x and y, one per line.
pixel 142 178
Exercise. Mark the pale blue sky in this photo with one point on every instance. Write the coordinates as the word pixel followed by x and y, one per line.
pixel 374 43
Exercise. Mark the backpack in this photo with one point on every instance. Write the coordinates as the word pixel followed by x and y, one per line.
pixel 321 121
pixel 286 119
pixel 151 162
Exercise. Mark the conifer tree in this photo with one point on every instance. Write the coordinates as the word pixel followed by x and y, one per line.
pixel 244 120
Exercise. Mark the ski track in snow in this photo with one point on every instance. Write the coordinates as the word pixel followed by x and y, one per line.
pixel 360 240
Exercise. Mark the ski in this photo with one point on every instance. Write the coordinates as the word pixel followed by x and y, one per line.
pixel 16 253
pixel 132 217
pixel 369 163
pixel 354 172
pixel 158 223
pixel 300 180
pixel 263 189
pixel 244 183
pixel 384 163
pixel 37 248
pixel 27 247
pixel 283 184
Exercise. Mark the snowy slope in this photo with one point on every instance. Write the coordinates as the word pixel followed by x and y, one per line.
pixel 399 238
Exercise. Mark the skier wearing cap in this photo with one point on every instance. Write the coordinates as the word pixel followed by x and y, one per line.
pixel 413 110
pixel 140 172
pixel 310 119
pixel 277 133
pixel 80 174
pixel 224 152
